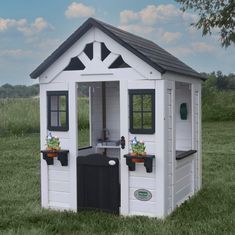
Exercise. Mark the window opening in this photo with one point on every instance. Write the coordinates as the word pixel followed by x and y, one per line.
pixel 142 111
pixel 58 119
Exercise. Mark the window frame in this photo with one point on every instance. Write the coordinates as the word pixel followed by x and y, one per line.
pixel 49 110
pixel 141 92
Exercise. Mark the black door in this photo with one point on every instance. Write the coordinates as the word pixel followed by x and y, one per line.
pixel 98 183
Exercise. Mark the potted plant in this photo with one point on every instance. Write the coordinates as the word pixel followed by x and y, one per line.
pixel 53 144
pixel 138 149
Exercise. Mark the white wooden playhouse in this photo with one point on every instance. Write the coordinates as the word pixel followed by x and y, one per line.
pixel 134 88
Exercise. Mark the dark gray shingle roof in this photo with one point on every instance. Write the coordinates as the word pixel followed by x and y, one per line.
pixel 145 49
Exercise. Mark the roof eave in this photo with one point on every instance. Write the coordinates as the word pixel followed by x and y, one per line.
pixel 196 75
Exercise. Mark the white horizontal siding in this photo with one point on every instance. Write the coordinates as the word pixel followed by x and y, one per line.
pixel 180 172
pixel 142 208
pixel 62 197
pixel 59 186
pixel 186 180
pixel 59 206
pixel 59 195
pixel 58 175
pixel 183 194
pixel 183 186
pixel 142 182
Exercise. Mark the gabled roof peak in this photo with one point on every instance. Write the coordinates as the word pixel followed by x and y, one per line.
pixel 145 49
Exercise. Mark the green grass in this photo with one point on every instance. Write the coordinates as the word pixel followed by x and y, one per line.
pixel 212 211
pixel 83 138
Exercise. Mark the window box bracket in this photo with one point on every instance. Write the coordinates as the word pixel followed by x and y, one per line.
pixel 146 159
pixel 62 156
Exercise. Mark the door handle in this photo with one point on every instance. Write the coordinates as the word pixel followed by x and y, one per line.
pixel 123 142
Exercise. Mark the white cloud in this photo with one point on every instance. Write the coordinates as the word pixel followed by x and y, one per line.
pixel 36 27
pixel 15 53
pixel 192 48
pixel 169 37
pixel 76 10
pixel 127 15
pixel 23 26
pixel 153 14
pixel 202 47
pixel 157 22
pixel 5 24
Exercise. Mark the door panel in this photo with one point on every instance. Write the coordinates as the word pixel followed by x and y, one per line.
pixel 98 183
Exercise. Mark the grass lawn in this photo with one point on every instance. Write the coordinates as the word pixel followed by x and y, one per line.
pixel 212 211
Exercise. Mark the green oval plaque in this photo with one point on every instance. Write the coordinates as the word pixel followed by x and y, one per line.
pixel 143 194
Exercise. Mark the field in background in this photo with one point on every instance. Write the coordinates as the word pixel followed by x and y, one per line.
pixel 211 211
pixel 19 116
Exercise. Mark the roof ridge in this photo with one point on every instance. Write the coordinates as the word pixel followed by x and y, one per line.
pixel 120 29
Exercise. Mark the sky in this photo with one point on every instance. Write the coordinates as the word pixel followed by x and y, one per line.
pixel 30 30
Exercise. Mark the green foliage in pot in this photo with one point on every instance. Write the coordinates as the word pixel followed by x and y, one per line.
pixel 53 142
pixel 138 147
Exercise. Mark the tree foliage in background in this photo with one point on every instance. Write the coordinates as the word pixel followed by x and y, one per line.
pixel 214 15
pixel 218 97
pixel 217 81
pixel 18 91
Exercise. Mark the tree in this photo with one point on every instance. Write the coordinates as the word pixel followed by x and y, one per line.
pixel 214 14
pixel 222 81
